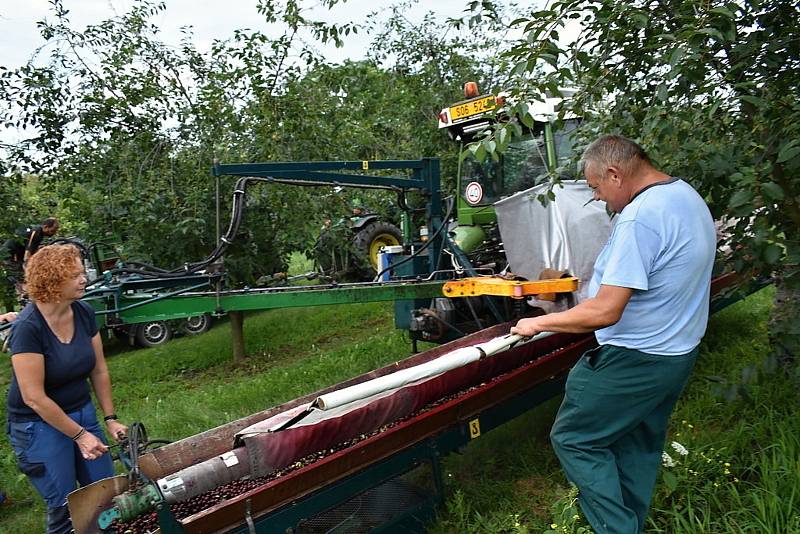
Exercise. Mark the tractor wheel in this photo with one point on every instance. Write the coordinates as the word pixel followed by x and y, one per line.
pixel 370 239
pixel 197 324
pixel 152 334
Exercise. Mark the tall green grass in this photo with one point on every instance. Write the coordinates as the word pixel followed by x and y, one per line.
pixel 506 481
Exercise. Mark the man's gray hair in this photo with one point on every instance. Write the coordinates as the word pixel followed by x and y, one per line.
pixel 614 150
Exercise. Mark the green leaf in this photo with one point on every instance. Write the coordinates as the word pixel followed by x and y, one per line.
pixel 520 67
pixel 772 190
pixel 740 198
pixel 789 151
pixel 772 254
pixel 550 58
pixel 676 56
pixel 479 151
pixel 502 136
pixel 639 19
pixel 670 480
pixel 662 92
pixel 725 12
pixel 758 102
pixel 713 109
pixel 712 32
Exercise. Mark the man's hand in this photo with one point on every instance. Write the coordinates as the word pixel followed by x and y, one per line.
pixel 527 327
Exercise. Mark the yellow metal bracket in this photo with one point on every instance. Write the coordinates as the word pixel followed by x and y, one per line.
pixel 493 285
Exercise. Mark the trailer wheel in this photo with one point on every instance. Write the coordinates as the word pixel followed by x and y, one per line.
pixel 370 239
pixel 152 334
pixel 197 324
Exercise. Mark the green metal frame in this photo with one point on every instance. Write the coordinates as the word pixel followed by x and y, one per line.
pixel 425 177
pixel 137 301
pixel 136 309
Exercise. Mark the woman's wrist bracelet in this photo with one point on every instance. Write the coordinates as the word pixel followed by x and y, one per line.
pixel 110 417
pixel 79 434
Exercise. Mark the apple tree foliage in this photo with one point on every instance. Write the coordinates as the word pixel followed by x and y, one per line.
pixel 117 131
pixel 711 89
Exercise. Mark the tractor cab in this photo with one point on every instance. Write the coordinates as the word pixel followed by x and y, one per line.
pixel 542 149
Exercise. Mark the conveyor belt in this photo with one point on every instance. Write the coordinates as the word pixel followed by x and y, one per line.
pixel 484 386
pixel 560 353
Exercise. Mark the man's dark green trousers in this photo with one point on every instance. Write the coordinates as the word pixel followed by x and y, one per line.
pixel 610 430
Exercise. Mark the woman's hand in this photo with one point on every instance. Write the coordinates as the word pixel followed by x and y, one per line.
pixel 117 430
pixel 91 448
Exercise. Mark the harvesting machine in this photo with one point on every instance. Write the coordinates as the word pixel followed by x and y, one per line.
pixel 363 455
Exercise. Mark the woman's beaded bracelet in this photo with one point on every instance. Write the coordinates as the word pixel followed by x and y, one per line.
pixel 110 417
pixel 79 434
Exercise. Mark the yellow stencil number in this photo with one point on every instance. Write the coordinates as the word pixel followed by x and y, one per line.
pixel 474 428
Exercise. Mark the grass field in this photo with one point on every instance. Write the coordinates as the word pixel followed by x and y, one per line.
pixel 740 473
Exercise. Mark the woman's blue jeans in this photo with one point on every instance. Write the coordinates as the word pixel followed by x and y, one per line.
pixel 54 464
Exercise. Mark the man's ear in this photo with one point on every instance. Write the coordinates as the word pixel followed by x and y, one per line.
pixel 614 174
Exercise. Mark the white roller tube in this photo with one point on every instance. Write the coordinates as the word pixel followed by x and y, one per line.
pixel 451 360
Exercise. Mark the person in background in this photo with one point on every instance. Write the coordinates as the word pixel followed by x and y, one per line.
pixel 35 234
pixel 649 310
pixel 17 251
pixel 6 318
pixel 56 354
pixel 30 239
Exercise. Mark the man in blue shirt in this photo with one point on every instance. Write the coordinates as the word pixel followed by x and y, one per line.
pixel 649 310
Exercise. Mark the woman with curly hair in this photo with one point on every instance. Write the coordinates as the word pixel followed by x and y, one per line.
pixel 55 347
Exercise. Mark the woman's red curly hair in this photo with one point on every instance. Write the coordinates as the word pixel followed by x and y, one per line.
pixel 48 270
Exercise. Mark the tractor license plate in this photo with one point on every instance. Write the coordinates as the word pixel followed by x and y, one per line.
pixel 473 107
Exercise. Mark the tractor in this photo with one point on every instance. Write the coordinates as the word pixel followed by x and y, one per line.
pixel 348 249
pixel 541 151
pixel 518 176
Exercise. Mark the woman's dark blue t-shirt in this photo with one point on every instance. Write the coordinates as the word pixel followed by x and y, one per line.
pixel 66 365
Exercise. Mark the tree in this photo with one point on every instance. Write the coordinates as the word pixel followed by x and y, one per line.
pixel 116 117
pixel 711 89
pixel 121 130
